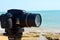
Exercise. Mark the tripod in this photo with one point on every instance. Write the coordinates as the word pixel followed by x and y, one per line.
pixel 14 34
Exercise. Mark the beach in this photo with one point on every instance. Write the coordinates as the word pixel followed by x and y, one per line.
pixel 37 34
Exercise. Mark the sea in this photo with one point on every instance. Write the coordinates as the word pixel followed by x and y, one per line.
pixel 50 18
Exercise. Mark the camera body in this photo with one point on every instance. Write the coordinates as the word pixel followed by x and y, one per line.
pixel 15 20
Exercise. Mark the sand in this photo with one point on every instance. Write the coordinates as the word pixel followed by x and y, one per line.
pixel 25 36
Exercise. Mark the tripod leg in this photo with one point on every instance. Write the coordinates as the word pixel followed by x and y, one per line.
pixel 16 37
pixel 19 36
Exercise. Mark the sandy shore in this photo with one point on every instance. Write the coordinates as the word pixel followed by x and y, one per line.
pixel 25 36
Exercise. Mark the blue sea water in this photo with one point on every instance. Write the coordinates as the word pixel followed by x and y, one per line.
pixel 50 18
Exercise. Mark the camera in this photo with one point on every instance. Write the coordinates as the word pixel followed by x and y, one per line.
pixel 14 20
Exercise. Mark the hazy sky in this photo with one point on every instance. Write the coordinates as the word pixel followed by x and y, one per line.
pixel 30 4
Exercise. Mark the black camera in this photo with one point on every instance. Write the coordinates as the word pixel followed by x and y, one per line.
pixel 15 20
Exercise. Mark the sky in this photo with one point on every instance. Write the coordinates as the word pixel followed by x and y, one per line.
pixel 30 5
pixel 35 5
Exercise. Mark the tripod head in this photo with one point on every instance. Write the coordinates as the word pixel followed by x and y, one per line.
pixel 15 20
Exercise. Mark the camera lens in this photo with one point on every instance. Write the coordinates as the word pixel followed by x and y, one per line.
pixel 30 20
pixel 37 20
pixel 33 20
